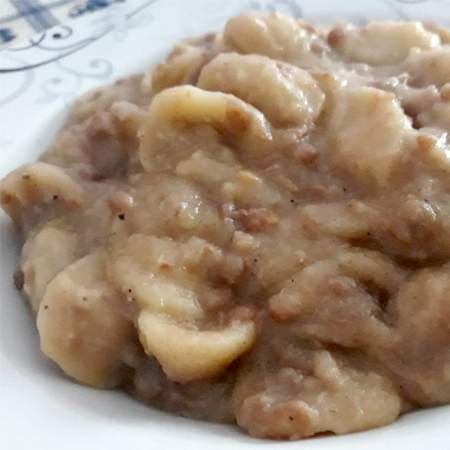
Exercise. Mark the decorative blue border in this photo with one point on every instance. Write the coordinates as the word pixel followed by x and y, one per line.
pixel 45 42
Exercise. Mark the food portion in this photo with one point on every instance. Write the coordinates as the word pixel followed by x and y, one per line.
pixel 256 231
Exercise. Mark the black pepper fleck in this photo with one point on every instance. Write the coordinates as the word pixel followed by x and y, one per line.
pixel 121 216
pixel 291 418
pixel 55 197
pixel 45 306
pixel 19 279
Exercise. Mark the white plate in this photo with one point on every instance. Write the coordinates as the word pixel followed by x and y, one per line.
pixel 39 408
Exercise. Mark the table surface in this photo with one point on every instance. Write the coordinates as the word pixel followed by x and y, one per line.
pixel 20 19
